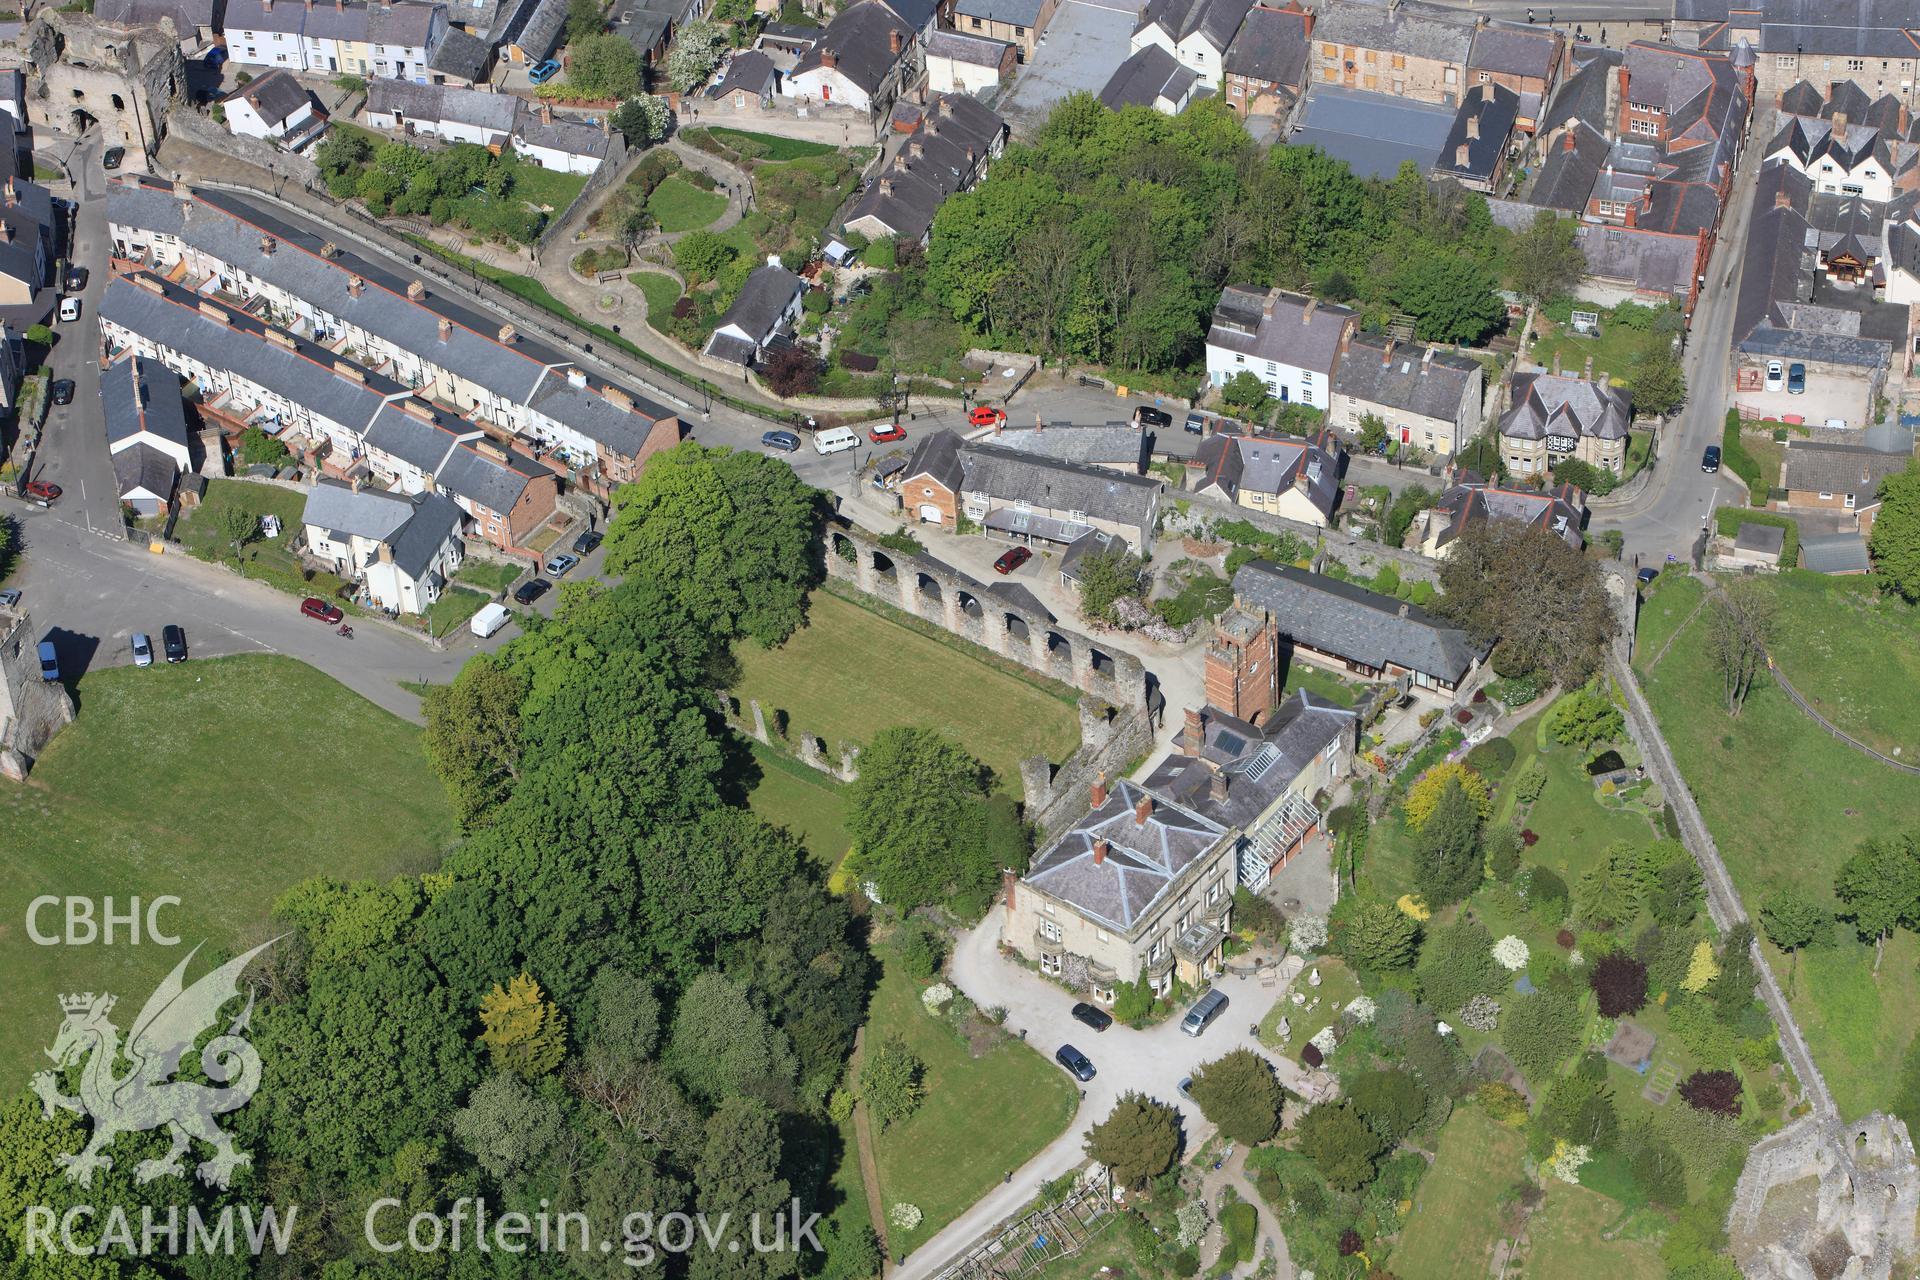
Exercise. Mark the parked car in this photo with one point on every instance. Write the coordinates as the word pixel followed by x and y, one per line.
pixel 1776 375
pixel 985 415
pixel 1156 419
pixel 320 610
pixel 1647 575
pixel 45 490
pixel 49 662
pixel 173 642
pixel 63 391
pixel 1185 1086
pixel 1796 379
pixel 69 310
pixel 1710 460
pixel 76 279
pixel 1012 558
pixel 1078 1064
pixel 142 650
pixel 531 590
pixel 1098 1019
pixel 586 542
pixel 1196 424
pixel 784 441
pixel 544 71
pixel 1203 1012
pixel 561 565
pixel 10 598
pixel 112 158
pixel 886 432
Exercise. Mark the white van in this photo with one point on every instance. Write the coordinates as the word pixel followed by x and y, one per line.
pixel 835 440
pixel 490 619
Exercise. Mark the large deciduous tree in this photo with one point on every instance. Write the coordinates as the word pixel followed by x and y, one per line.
pixel 1792 922
pixel 916 815
pixel 1879 889
pixel 1341 1144
pixel 1544 261
pixel 1740 622
pixel 1895 540
pixel 473 735
pixel 1525 586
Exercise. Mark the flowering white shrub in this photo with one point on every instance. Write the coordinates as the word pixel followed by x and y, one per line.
pixel 1510 953
pixel 904 1216
pixel 1566 1160
pixel 1324 1041
pixel 1575 959
pixel 1482 1013
pixel 936 997
pixel 1361 1009
pixel 1192 1221
pixel 1308 933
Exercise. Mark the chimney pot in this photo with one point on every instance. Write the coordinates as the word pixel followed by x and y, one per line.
pixel 1142 810
pixel 416 290
pixel 446 330
pixel 1100 848
pixel 1097 793
pixel 508 335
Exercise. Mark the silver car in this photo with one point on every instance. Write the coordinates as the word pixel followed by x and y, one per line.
pixel 559 566
pixel 142 650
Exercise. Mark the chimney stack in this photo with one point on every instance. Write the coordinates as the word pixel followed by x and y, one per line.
pixel 1460 156
pixel 328 249
pixel 893 41
pixel 1633 213
pixel 446 329
pixel 829 59
pixel 614 395
pixel 13 196
pixel 268 244
pixel 1142 809
pixel 1097 793
pixel 886 186
pixel 1840 125
pixel 1386 357
pixel 508 336
pixel 1008 879
pixel 1195 732
pixel 1473 127
pixel 1426 361
pixel 416 291
pixel 1566 140
pixel 1306 312
pixel 1781 200
pixel 546 113
pixel 1217 788
pixel 1100 848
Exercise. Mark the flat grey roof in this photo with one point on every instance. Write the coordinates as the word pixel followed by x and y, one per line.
pixel 1375 133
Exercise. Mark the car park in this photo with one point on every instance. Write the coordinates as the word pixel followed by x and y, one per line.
pixel 1796 379
pixel 586 542
pixel 142 649
pixel 1078 1064
pixel 1776 375
pixel 1204 1011
pixel 112 158
pixel 886 432
pixel 69 310
pixel 49 661
pixel 63 391
pixel 531 590
pixel 321 611
pixel 1710 460
pixel 1012 558
pixel 1088 1015
pixel 173 642
pixel 544 71
pixel 561 565
pixel 784 441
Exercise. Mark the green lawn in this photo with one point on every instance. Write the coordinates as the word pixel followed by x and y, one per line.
pixel 266 560
pixel 678 205
pixel 803 800
pixel 548 188
pixel 981 1118
pixel 489 575
pixel 1854 654
pixel 767 146
pixel 1577 1234
pixel 851 673
pixel 1321 683
pixel 1613 352
pixel 1337 987
pixel 1455 1226
pixel 1668 603
pixel 452 610
pixel 222 782
pixel 661 292
pixel 1788 804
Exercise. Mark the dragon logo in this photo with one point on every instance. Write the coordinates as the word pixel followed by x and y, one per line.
pixel 147 1097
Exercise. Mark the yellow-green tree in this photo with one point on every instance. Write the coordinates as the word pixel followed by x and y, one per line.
pixel 524 1032
pixel 1702 969
pixel 1424 797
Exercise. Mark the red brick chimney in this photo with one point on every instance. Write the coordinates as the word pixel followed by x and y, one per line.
pixel 1386 357
pixel 1142 809
pixel 446 330
pixel 1195 732
pixel 1633 213
pixel 1097 793
pixel 893 41
pixel 1100 848
pixel 354 285
pixel 829 59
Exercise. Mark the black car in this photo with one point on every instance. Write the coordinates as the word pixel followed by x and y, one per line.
pixel 111 160
pixel 1647 575
pixel 1098 1019
pixel 63 391
pixel 1078 1064
pixel 585 543
pixel 174 641
pixel 530 590
pixel 76 279
pixel 1157 419
pixel 1710 460
pixel 1196 424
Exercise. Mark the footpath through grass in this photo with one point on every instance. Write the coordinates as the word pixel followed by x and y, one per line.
pixel 982 1116
pixel 850 672
pixel 222 782
pixel 1788 804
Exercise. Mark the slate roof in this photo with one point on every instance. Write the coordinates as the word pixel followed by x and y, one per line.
pixel 1834 553
pixel 474 107
pixel 1271 46
pixel 1562 510
pixel 1515 50
pixel 762 300
pixel 860 38
pixel 535 28
pixel 1274 324
pixel 187 15
pixel 1354 623
pixel 1375 133
pixel 750 71
pixel 1141 861
pixel 975 50
pixel 403 23
pixel 937 456
pixel 434 518
pixel 1011 476
pixel 1857 28
pixel 275 95
pixel 1482 125
pixel 1298 730
pixel 1418 30
pixel 1148 76
pixel 341 510
pixel 1094 542
pixel 462 55
pixel 1653 261
pixel 1216 21
pixel 1582 95
pixel 1019 13
pixel 1273 464
pixel 917 14
pixel 945 148
pixel 1551 404
pixel 1766 539
pixel 1089 443
pixel 144 467
pixel 1406 377
pixel 1811 467
pixel 142 397
pixel 1774 311
pixel 570 137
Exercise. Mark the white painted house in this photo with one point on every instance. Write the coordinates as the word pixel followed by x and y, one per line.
pixel 345 37
pixel 400 549
pixel 1289 341
pixel 767 306
pixel 146 431
pixel 1195 32
pixel 446 112
pixel 275 107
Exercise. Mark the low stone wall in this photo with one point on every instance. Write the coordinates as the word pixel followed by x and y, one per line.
pixel 1360 557
pixel 191 126
pixel 1110 740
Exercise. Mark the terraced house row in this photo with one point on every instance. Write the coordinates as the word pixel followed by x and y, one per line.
pixel 437 352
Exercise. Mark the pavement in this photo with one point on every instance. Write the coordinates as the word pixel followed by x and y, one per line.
pixel 1152 1062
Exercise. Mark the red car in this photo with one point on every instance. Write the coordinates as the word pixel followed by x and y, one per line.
pixel 1012 558
pixel 985 415
pixel 886 433
pixel 43 490
pixel 320 611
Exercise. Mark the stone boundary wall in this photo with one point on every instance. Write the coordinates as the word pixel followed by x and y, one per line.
pixel 200 130
pixel 1360 556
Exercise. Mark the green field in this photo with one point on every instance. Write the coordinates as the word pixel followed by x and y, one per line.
pixel 981 1118
pixel 1854 654
pixel 453 609
pixel 851 673
pixel 1664 607
pixel 548 188
pixel 222 782
pixel 767 146
pixel 1455 1225
pixel 803 800
pixel 1573 1237
pixel 1787 805
pixel 660 290
pixel 678 205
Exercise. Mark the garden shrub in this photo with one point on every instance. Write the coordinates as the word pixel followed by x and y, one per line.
pixel 1717 1091
pixel 1241 1223
pixel 1492 758
pixel 922 949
